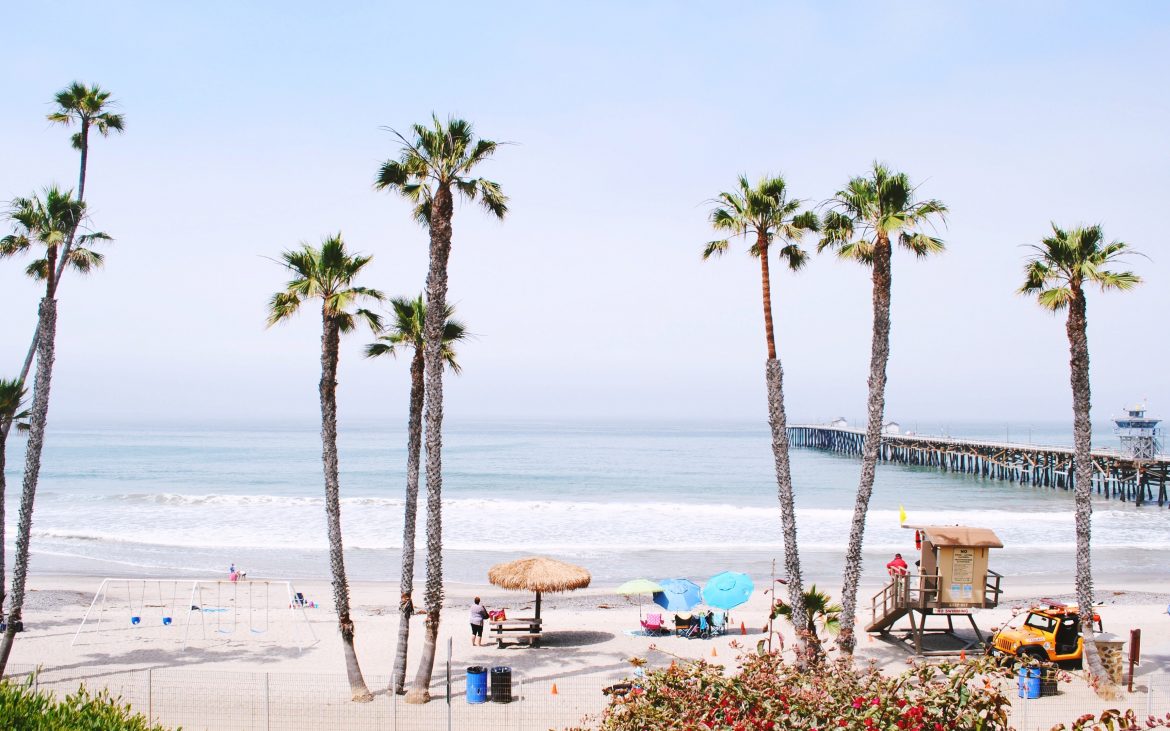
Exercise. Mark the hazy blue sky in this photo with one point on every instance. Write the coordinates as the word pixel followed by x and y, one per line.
pixel 252 126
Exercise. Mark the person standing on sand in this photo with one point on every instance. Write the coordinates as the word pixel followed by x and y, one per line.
pixel 478 614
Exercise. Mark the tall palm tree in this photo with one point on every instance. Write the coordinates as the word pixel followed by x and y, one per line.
pixel 863 222
pixel 328 273
pixel 90 108
pixel 431 167
pixel 406 332
pixel 1056 273
pixel 12 394
pixel 47 221
pixel 764 215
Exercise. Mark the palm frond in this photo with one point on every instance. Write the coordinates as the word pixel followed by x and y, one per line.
pixel 715 248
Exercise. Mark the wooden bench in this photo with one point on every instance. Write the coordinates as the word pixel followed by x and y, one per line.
pixel 515 630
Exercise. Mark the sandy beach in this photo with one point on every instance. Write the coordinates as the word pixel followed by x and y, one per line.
pixel 588 639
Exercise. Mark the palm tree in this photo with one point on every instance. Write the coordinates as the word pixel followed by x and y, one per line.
pixel 1057 272
pixel 766 214
pixel 89 107
pixel 823 613
pixel 863 222
pixel 430 168
pixel 406 332
pixel 48 221
pixel 327 274
pixel 12 394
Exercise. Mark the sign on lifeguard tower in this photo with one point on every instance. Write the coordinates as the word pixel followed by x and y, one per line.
pixel 951 578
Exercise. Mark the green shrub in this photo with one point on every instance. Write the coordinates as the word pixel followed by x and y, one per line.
pixel 25 709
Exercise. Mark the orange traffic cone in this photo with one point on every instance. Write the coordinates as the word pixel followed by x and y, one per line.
pixel 742 628
pixel 713 653
pixel 554 690
pixel 962 656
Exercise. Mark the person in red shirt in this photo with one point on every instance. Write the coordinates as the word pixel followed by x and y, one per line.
pixel 897 567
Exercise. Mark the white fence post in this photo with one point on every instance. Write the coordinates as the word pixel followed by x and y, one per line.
pixel 150 695
pixel 267 705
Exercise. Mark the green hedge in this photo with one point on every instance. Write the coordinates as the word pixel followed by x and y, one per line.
pixel 24 709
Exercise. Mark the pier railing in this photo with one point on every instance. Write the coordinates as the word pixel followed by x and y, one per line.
pixel 1115 474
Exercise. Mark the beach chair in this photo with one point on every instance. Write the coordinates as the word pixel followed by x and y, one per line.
pixel 682 624
pixel 653 624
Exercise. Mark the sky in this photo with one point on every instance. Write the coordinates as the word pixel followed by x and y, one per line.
pixel 252 127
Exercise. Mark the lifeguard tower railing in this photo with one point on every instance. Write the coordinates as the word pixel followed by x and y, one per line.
pixel 921 593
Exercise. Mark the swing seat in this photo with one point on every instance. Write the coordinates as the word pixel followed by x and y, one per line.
pixel 166 621
pixel 135 620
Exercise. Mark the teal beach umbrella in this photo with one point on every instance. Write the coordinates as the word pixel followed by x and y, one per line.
pixel 728 590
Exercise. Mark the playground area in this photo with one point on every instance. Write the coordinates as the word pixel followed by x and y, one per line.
pixel 193 611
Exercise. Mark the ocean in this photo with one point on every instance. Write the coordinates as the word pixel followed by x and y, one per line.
pixel 624 500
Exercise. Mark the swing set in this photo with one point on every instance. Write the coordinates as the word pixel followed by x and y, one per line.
pixel 153 603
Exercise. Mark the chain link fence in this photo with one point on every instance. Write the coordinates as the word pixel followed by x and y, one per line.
pixel 239 701
pixel 1069 698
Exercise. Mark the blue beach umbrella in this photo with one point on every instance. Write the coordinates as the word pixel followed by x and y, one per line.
pixel 727 590
pixel 677 595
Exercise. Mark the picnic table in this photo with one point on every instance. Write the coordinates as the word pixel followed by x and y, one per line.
pixel 521 629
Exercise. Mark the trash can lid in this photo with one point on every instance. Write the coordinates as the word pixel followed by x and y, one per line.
pixel 476 670
pixel 501 669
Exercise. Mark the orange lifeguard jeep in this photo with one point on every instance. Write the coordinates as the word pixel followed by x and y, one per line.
pixel 1051 633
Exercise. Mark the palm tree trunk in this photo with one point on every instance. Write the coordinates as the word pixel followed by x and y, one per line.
pixel 413 452
pixel 3 495
pixel 879 356
pixel 84 159
pixel 774 379
pixel 68 247
pixel 32 471
pixel 330 337
pixel 1078 343
pixel 440 226
pixel 766 284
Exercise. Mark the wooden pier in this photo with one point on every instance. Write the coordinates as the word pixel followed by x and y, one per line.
pixel 1115 474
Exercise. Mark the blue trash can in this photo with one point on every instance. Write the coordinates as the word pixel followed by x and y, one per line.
pixel 1030 682
pixel 477 684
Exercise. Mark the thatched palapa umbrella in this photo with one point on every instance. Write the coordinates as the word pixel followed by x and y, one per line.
pixel 539 574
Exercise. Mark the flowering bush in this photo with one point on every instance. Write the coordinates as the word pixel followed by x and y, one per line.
pixel 768 694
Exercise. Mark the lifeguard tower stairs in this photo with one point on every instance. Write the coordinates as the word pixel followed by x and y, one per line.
pixel 951 580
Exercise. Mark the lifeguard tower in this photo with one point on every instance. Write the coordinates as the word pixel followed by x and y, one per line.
pixel 950 579
pixel 1139 434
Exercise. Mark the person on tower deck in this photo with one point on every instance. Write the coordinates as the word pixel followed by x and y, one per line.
pixel 898 566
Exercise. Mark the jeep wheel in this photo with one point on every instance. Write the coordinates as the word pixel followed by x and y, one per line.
pixel 1034 652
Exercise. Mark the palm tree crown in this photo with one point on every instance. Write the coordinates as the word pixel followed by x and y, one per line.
pixel 762 211
pixel 405 330
pixel 879 206
pixel 49 221
pixel 441 155
pixel 325 273
pixel 12 393
pixel 1063 262
pixel 87 106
